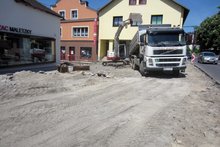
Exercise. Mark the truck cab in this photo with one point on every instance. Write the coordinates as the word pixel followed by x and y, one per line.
pixel 159 49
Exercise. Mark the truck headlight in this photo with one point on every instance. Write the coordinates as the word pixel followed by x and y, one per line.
pixel 184 61
pixel 150 62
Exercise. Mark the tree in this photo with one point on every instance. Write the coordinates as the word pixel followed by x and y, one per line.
pixel 208 33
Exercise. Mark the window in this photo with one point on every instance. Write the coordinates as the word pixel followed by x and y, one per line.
pixel 63 49
pixel 60 31
pixel 156 19
pixel 132 2
pixel 17 49
pixel 62 13
pixel 74 14
pixel 80 32
pixel 117 21
pixel 85 52
pixel 142 2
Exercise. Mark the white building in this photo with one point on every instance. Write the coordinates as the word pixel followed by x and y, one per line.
pixel 29 33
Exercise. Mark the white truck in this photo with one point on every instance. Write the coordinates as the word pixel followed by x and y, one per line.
pixel 158 48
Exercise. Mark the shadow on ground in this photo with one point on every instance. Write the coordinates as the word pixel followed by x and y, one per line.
pixel 163 75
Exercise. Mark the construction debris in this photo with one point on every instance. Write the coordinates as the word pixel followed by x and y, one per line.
pixel 81 67
pixel 63 68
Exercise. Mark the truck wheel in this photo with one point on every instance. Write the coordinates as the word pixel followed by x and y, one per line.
pixel 104 63
pixel 176 73
pixel 143 73
pixel 134 66
pixel 132 63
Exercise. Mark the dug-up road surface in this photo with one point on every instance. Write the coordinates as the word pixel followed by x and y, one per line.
pixel 121 109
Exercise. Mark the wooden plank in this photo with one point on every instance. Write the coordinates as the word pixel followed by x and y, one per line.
pixel 81 67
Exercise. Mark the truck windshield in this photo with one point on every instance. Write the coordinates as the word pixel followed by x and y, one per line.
pixel 173 39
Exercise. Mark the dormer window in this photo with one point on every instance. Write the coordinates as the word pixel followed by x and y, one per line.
pixel 132 2
pixel 74 14
pixel 62 13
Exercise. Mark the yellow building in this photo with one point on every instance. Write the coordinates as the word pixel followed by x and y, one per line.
pixel 152 11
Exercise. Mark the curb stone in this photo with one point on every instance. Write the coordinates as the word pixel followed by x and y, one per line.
pixel 217 82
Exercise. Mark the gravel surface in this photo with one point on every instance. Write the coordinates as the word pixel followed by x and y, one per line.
pixel 117 108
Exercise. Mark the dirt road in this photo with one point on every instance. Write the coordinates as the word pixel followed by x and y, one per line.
pixel 122 109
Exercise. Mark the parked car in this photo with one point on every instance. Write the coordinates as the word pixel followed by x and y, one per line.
pixel 208 57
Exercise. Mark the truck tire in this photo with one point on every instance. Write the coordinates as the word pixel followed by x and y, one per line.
pixel 132 62
pixel 104 63
pixel 143 73
pixel 133 65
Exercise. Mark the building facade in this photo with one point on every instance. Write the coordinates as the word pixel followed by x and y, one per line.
pixel 152 11
pixel 29 33
pixel 78 30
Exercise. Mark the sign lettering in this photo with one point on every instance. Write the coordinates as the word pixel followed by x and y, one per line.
pixel 15 30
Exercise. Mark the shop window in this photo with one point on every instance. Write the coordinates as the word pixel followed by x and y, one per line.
pixel 74 14
pixel 63 14
pixel 19 50
pixel 41 50
pixel 156 19
pixel 117 20
pixel 80 32
pixel 142 2
pixel 132 2
pixel 86 52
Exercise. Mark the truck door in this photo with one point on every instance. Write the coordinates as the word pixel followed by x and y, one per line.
pixel 122 50
pixel 71 53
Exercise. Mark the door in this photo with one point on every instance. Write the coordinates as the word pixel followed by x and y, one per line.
pixel 62 52
pixel 72 54
pixel 122 50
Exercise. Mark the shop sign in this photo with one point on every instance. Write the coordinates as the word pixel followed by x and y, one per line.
pixel 14 29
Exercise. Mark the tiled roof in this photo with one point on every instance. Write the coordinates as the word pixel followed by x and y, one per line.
pixel 35 4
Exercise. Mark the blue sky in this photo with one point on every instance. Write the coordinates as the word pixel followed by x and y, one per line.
pixel 199 9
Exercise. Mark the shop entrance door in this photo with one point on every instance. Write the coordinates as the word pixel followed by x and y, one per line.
pixel 62 52
pixel 72 54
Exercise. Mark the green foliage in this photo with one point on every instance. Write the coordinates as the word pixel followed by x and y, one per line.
pixel 208 33
pixel 196 51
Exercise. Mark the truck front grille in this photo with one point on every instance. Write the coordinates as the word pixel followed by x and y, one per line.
pixel 168 52
pixel 168 65
pixel 168 60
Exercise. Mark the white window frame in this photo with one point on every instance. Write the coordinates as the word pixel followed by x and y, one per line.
pixel 72 13
pixel 80 32
pixel 64 13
